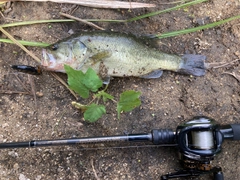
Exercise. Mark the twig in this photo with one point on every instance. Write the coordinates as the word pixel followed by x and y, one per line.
pixel 235 75
pixel 81 20
pixel 33 90
pixel 13 92
pixel 58 120
pixel 174 2
pixel 98 3
pixel 220 64
pixel 63 83
pixel 23 85
pixel 14 20
pixel 20 45
pixel 94 171
pixel 2 15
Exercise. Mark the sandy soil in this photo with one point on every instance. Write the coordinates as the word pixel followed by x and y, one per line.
pixel 166 102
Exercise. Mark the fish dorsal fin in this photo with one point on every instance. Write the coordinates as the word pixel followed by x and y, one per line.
pixel 153 75
pixel 150 41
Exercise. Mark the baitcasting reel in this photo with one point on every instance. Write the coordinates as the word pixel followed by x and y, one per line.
pixel 198 141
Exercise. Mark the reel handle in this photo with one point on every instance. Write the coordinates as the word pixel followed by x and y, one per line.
pixel 217 173
pixel 218 176
pixel 236 131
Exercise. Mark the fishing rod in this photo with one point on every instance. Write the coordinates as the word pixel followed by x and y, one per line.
pixel 198 141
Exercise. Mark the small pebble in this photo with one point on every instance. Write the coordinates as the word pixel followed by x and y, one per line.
pixel 39 94
pixel 39 177
pixel 70 32
pixel 13 154
pixel 16 166
pixel 23 177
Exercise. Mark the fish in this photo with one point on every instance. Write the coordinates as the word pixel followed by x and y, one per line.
pixel 28 69
pixel 113 54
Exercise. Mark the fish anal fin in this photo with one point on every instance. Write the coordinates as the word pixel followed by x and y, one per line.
pixel 153 75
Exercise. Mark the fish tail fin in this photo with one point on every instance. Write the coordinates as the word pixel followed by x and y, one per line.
pixel 193 65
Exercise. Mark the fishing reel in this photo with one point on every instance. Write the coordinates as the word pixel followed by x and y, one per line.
pixel 199 140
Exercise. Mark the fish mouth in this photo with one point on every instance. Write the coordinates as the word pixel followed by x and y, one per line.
pixel 48 60
pixel 44 61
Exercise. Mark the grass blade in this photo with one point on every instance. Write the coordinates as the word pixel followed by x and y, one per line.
pixel 26 43
pixel 166 10
pixel 24 23
pixel 190 30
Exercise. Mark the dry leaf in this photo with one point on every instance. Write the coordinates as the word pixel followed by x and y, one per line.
pixel 98 3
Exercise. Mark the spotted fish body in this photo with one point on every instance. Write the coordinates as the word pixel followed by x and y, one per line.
pixel 117 54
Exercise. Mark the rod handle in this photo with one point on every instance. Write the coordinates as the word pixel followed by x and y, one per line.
pixel 163 136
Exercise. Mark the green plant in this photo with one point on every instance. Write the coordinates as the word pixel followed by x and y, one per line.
pixel 85 83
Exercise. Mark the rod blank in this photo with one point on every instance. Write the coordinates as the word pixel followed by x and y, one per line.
pixel 74 141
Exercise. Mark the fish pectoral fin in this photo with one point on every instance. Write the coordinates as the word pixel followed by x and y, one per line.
pixel 100 56
pixel 152 75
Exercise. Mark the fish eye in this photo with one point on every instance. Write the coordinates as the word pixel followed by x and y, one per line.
pixel 54 47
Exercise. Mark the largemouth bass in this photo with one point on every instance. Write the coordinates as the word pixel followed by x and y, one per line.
pixel 117 54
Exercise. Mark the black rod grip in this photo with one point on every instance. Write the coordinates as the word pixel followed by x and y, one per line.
pixel 163 136
pixel 17 145
pixel 236 131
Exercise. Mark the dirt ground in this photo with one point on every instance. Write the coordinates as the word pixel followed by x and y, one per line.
pixel 166 102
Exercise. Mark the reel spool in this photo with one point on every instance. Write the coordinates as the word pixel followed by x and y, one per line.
pixel 202 140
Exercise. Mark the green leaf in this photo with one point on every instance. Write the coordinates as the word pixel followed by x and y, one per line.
pixel 94 112
pixel 128 101
pixel 104 95
pixel 91 80
pixel 82 83
pixel 75 81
